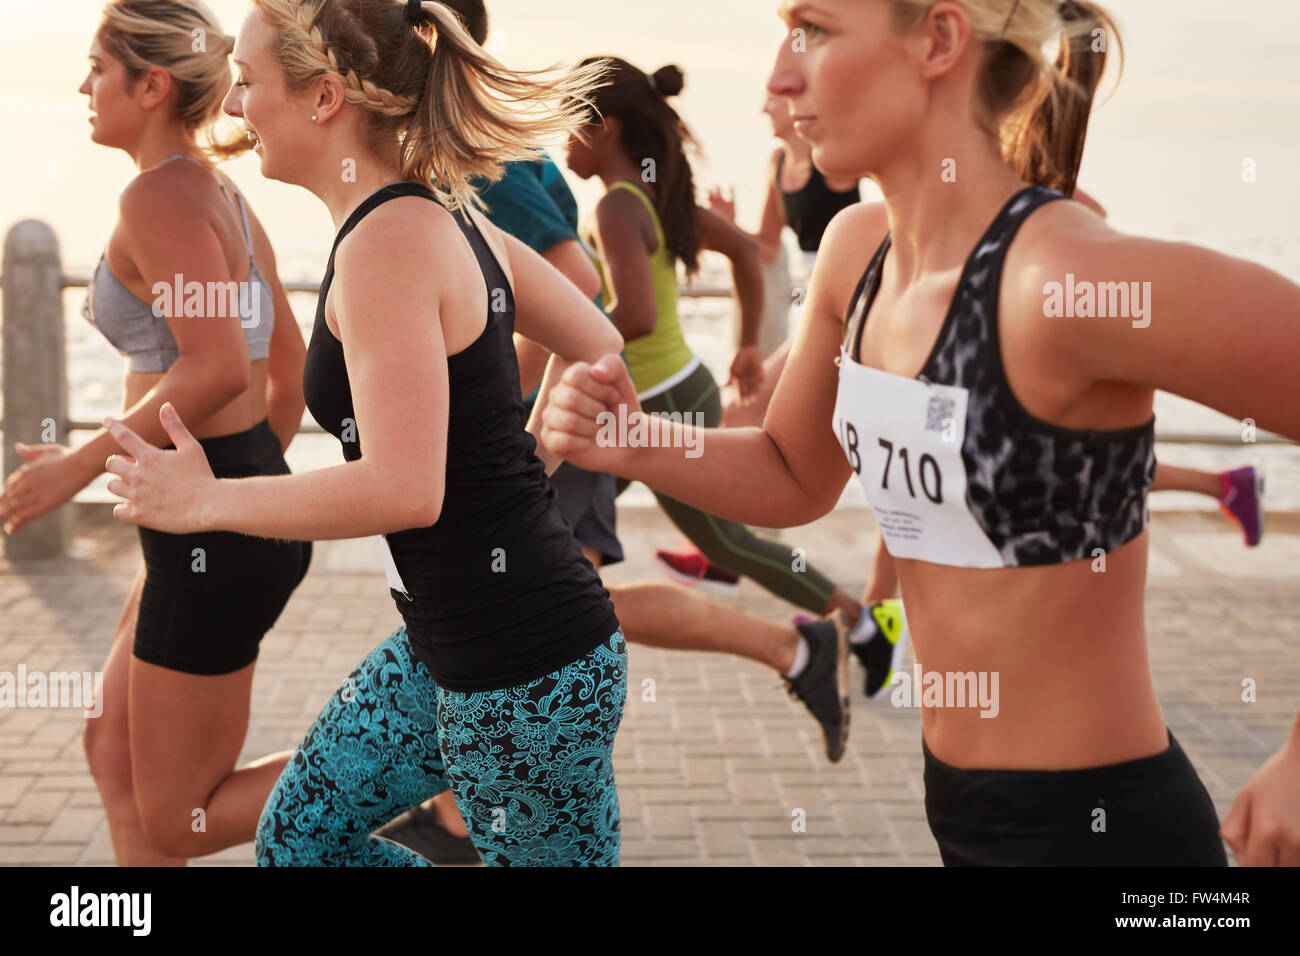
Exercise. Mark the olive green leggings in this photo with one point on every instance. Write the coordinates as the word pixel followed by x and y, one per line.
pixel 726 543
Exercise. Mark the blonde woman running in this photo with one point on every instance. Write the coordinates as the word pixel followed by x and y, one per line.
pixel 1002 449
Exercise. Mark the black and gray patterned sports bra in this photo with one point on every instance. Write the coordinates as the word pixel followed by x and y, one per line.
pixel 957 471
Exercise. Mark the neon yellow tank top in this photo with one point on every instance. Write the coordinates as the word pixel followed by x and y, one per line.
pixel 653 358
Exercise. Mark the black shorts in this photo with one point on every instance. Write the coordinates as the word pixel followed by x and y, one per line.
pixel 586 499
pixel 210 597
pixel 1148 812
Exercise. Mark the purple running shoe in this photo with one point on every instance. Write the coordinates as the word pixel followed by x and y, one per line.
pixel 1242 500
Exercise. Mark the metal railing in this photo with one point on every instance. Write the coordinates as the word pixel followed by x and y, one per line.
pixel 313 288
pixel 36 380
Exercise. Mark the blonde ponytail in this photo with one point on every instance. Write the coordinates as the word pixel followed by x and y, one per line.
pixel 1037 108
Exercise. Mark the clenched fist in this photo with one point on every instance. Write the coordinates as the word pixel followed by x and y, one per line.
pixel 587 412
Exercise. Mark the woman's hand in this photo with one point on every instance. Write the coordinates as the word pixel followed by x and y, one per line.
pixel 37 488
pixel 1263 827
pixel 590 414
pixel 747 372
pixel 723 204
pixel 164 490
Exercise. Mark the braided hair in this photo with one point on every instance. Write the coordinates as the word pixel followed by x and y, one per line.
pixel 454 110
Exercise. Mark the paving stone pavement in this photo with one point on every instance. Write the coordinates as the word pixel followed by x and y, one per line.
pixel 709 773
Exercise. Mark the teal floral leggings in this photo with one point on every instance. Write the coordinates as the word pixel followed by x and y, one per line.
pixel 531 765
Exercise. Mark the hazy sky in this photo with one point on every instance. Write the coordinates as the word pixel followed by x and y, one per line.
pixel 1206 83
pixel 1242 53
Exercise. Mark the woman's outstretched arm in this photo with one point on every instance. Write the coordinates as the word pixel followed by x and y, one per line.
pixel 1219 330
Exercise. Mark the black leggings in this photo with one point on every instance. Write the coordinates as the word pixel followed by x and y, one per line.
pixel 210 597
pixel 1148 812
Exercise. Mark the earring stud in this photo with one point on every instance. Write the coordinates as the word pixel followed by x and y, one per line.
pixel 313 117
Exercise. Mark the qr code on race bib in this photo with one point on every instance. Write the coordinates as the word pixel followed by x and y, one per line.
pixel 939 413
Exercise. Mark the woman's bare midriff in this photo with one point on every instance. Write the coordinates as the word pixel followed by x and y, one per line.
pixel 1068 645
pixel 238 415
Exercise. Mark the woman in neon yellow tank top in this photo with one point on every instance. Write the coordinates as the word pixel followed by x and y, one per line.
pixel 658 359
pixel 647 221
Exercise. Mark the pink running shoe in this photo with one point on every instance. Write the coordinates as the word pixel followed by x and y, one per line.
pixel 692 568
pixel 1242 500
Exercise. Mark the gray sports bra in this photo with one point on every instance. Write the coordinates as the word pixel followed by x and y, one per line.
pixel 140 330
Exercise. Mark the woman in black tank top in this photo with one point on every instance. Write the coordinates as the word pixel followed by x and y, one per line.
pixel 1002 426
pixel 810 209
pixel 807 210
pixel 506 680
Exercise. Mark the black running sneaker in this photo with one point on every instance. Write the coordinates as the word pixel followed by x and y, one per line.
pixel 823 686
pixel 882 653
pixel 418 830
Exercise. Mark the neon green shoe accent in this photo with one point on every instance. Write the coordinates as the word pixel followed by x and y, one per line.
pixel 891 622
pixel 888 615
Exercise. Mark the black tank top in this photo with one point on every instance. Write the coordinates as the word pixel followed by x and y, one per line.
pixel 810 210
pixel 499 591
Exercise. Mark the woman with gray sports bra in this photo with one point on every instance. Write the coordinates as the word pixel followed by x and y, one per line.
pixel 187 291
pixel 141 332
pixel 1006 449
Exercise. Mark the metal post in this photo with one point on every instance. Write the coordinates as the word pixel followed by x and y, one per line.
pixel 35 370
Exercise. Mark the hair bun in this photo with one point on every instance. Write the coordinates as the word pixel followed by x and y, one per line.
pixel 668 80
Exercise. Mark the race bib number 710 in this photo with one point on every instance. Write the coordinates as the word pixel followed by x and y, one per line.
pixel 903 438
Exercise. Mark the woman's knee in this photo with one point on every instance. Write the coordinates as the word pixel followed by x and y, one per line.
pixel 108 753
pixel 166 834
pixel 269 846
pixel 289 835
pixel 294 827
pixel 172 827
